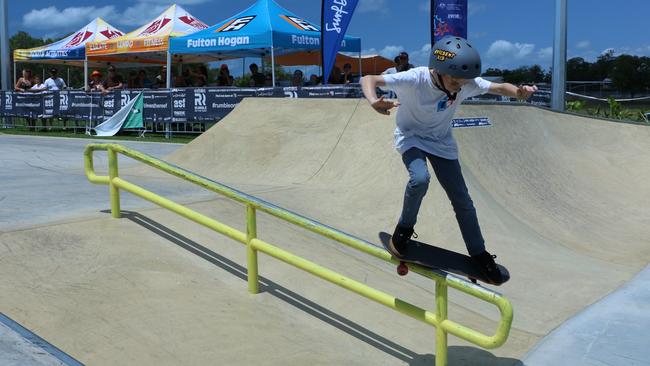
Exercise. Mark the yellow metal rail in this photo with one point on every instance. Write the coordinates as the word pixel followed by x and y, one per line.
pixel 443 280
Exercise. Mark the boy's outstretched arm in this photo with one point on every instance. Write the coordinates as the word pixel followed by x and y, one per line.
pixel 521 92
pixel 369 84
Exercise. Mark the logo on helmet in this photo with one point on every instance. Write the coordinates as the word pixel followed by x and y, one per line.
pixel 443 55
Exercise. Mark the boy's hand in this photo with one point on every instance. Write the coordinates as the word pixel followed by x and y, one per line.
pixel 384 106
pixel 525 91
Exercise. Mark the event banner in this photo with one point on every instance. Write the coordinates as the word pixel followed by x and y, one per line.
pixel 335 18
pixel 448 17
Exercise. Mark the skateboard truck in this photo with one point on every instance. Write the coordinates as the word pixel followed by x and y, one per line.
pixel 403 270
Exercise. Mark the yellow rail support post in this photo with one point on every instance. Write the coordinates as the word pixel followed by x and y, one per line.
pixel 251 252
pixel 113 189
pixel 441 313
pixel 438 319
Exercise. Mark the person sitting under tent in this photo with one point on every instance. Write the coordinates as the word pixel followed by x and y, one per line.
pixel 38 85
pixel 224 78
pixel 95 83
pixel 335 76
pixel 257 77
pixel 113 81
pixel 25 82
pixel 54 82
pixel 297 79
pixel 161 80
pixel 347 74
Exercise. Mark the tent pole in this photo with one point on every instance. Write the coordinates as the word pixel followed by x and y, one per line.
pixel 168 77
pixel 68 83
pixel 15 78
pixel 85 72
pixel 273 66
pixel 360 71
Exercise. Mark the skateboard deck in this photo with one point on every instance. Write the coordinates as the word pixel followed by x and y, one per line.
pixel 438 258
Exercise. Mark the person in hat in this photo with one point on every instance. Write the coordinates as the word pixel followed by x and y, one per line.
pixel 96 82
pixel 427 100
pixel 54 82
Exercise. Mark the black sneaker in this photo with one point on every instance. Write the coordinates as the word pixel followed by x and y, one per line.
pixel 485 263
pixel 400 240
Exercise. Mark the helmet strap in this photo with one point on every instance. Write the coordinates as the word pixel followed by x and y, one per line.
pixel 441 85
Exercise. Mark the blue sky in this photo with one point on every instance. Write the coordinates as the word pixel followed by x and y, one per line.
pixel 508 33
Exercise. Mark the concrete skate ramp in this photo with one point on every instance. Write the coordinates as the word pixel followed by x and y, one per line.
pixel 561 199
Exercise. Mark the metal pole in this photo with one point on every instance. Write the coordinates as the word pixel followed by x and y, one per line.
pixel 273 66
pixel 168 77
pixel 4 46
pixel 85 72
pixel 559 56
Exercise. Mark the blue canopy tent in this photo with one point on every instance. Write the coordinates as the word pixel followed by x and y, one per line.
pixel 262 29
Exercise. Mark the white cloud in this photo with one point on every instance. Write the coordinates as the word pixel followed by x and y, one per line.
pixel 53 18
pixel 583 45
pixel 418 57
pixel 373 6
pixel 504 50
pixel 545 54
pixel 137 15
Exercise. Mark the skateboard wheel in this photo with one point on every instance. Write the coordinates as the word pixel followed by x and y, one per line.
pixel 402 269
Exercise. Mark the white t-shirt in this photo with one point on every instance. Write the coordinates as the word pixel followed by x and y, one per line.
pixel 54 84
pixel 424 116
pixel 37 86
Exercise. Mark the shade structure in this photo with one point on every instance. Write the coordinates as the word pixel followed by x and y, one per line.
pixel 149 43
pixel 370 64
pixel 72 49
pixel 253 32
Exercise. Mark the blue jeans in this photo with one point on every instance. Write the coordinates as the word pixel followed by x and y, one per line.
pixel 451 179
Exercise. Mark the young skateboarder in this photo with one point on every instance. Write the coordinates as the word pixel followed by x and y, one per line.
pixel 428 98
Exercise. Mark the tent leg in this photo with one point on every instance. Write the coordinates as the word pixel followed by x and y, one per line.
pixel 360 71
pixel 273 66
pixel 85 73
pixel 168 77
pixel 68 83
pixel 15 75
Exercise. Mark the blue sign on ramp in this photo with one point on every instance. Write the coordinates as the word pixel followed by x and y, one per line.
pixel 470 122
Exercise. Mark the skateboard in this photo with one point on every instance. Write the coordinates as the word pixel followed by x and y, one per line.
pixel 438 258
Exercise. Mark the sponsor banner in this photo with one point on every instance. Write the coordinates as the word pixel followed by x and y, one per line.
pixel 448 17
pixel 2 103
pixel 124 45
pixel 51 102
pixel 27 105
pixel 182 103
pixel 84 106
pixel 157 106
pixel 336 16
pixel 470 122
pixel 214 104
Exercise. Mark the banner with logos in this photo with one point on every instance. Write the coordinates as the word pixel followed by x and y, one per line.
pixel 335 18
pixel 448 17
pixel 179 105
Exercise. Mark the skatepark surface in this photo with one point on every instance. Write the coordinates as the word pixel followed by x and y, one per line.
pixel 562 200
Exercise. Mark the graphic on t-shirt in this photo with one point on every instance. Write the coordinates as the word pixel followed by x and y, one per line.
pixel 444 104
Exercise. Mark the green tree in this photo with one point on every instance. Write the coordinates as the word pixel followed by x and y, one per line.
pixel 629 73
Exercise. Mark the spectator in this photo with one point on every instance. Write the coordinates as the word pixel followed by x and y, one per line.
pixel 38 85
pixel 392 70
pixel 313 80
pixel 54 82
pixel 224 78
pixel 113 80
pixel 161 80
pixel 335 76
pixel 297 79
pixel 25 82
pixel 96 82
pixel 347 74
pixel 199 76
pixel 256 76
pixel 142 81
pixel 268 81
pixel 404 64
